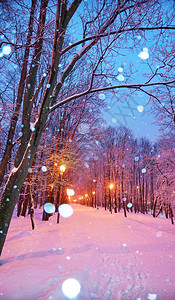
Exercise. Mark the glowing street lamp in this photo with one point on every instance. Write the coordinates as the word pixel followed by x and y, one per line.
pixel 62 168
pixel 93 199
pixel 111 186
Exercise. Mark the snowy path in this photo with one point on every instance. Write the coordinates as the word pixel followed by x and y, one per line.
pixel 112 257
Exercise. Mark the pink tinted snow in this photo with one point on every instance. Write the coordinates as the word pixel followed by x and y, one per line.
pixel 112 257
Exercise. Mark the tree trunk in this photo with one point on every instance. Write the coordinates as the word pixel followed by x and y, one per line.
pixel 14 118
pixel 171 214
pixel 154 207
pixel 21 199
pixel 31 209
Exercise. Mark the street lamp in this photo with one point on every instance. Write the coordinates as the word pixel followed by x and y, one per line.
pixel 94 199
pixel 111 186
pixel 62 170
pixel 86 198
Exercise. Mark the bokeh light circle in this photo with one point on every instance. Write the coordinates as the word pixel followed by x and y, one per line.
pixel 49 208
pixel 6 50
pixel 65 210
pixel 70 192
pixel 71 288
pixel 129 205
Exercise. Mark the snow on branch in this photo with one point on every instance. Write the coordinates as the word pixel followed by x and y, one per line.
pixel 128 86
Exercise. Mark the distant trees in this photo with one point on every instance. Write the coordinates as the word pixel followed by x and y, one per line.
pixel 133 174
pixel 51 65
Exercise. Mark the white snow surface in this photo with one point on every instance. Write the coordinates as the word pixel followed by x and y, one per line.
pixel 112 257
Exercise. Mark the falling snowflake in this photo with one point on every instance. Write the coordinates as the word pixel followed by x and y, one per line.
pixel 120 69
pixel 140 108
pixel 144 54
pixel 32 126
pixel 71 288
pixel 6 50
pixel 108 66
pixel 152 296
pixel 114 120
pixel 83 128
pixel 44 168
pixel 159 233
pixel 102 96
pixel 120 77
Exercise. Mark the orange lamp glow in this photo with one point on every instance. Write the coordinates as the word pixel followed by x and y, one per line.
pixel 62 168
pixel 111 186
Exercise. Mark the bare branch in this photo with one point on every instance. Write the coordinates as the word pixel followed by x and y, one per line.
pixel 107 88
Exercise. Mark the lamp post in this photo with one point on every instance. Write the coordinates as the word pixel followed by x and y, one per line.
pixel 62 170
pixel 111 186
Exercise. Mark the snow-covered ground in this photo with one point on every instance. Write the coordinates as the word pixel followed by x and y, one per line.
pixel 111 257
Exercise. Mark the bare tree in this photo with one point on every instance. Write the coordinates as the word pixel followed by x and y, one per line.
pixel 105 29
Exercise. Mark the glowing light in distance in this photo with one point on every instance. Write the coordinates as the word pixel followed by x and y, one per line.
pixel 62 169
pixel 136 158
pixel 124 198
pixel 86 195
pixel 65 210
pixel 49 208
pixel 129 205
pixel 143 170
pixel 111 186
pixel 93 193
pixel 70 192
pixel 71 288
